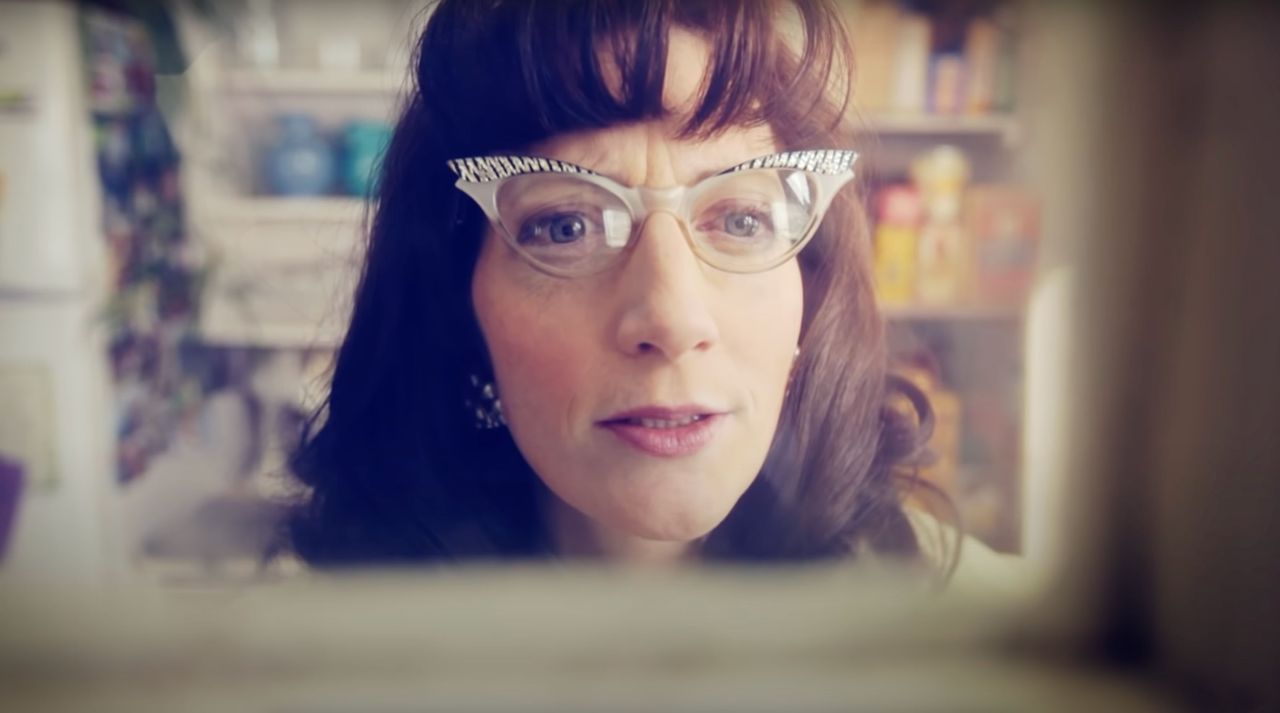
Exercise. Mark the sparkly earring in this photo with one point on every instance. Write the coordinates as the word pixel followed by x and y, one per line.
pixel 484 405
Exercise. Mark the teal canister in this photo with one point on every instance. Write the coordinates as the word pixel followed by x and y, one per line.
pixel 365 142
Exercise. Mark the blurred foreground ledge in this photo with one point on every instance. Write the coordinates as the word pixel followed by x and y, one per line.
pixel 562 639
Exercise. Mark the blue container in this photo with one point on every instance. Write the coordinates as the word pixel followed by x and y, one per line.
pixel 301 162
pixel 365 143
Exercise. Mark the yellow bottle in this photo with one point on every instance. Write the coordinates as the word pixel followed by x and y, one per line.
pixel 941 175
pixel 896 238
pixel 896 264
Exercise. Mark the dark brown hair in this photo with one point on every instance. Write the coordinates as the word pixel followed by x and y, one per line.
pixel 396 468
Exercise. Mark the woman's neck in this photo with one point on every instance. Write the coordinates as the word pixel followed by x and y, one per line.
pixel 576 536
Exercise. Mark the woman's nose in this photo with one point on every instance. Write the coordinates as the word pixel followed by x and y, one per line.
pixel 664 294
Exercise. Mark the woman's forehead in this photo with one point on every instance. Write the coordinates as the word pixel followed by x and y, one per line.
pixel 688 57
pixel 655 154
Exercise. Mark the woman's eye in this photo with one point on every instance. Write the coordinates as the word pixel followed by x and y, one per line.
pixel 738 221
pixel 557 228
pixel 741 225
pixel 566 229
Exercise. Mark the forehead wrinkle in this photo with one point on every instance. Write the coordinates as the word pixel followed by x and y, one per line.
pixel 617 152
pixel 596 150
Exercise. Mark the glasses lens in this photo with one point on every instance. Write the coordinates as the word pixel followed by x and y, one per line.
pixel 563 223
pixel 752 220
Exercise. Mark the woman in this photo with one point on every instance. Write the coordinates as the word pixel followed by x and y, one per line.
pixel 616 301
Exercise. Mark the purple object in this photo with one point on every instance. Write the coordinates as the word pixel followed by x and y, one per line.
pixel 11 480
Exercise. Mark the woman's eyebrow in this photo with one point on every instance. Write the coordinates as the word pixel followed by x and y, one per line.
pixel 722 168
pixel 716 169
pixel 597 162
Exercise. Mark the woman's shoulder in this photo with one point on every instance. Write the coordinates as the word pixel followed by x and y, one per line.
pixel 976 564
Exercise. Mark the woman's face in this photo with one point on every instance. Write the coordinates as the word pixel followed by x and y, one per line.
pixel 597 374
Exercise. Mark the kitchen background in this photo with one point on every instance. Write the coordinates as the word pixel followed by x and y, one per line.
pixel 182 202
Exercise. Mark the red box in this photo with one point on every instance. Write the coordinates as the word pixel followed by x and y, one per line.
pixel 1003 223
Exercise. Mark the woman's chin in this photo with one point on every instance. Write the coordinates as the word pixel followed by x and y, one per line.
pixel 673 527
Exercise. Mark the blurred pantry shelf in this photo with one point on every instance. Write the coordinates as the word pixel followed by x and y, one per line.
pixel 953 312
pixel 284 265
pixel 310 81
pixel 282 269
pixel 390 84
pixel 1005 127
pixel 274 209
pixel 225 330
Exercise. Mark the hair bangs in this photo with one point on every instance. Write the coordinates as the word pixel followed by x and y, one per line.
pixel 524 71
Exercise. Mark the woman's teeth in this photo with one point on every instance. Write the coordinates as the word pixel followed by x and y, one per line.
pixel 660 423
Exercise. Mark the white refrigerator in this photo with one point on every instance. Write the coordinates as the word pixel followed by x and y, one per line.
pixel 99 288
pixel 55 402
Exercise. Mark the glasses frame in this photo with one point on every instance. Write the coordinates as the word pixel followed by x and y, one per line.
pixel 481 178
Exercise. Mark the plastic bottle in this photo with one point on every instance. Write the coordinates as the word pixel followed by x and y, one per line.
pixel 897 230
pixel 301 162
pixel 943 258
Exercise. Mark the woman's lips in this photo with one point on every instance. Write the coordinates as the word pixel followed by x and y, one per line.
pixel 665 433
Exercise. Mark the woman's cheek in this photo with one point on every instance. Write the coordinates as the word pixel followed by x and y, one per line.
pixel 764 322
pixel 537 377
pixel 541 361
